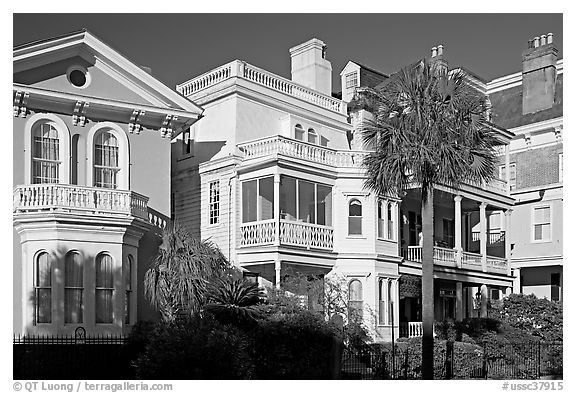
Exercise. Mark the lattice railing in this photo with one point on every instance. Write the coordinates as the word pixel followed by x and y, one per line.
pixel 306 235
pixel 258 233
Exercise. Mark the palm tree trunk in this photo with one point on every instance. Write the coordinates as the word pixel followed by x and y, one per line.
pixel 428 286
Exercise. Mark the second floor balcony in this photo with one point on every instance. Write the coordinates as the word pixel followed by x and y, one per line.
pixel 289 233
pixel 93 201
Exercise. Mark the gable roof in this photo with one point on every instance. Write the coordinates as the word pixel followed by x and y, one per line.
pixel 85 44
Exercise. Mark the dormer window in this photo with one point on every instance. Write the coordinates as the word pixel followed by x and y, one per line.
pixel 299 132
pixel 312 136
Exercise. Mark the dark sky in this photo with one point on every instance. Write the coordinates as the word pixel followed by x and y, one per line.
pixel 180 46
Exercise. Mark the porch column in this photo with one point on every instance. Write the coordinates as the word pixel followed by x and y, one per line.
pixel 507 222
pixel 277 209
pixel 516 288
pixel 459 305
pixel 483 301
pixel 278 268
pixel 483 234
pixel 458 229
pixel 507 163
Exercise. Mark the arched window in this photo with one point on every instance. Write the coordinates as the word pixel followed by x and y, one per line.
pixel 104 289
pixel 382 286
pixel 42 288
pixel 128 289
pixel 355 217
pixel 299 132
pixel 45 154
pixel 73 288
pixel 106 163
pixel 355 303
pixel 312 136
pixel 390 302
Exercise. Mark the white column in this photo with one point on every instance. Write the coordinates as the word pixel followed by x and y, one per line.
pixel 516 284
pixel 278 268
pixel 507 222
pixel 458 229
pixel 483 301
pixel 507 168
pixel 483 234
pixel 277 209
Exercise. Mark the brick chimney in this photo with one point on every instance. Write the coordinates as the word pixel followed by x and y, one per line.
pixel 310 67
pixel 539 74
pixel 437 58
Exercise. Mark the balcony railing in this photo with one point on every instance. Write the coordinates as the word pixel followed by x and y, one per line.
pixel 493 237
pixel 63 197
pixel 240 69
pixel 304 151
pixel 292 233
pixel 450 258
pixel 410 329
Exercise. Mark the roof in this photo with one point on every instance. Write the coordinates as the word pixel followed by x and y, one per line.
pixel 507 107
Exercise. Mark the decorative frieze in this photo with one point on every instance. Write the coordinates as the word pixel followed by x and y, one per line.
pixel 79 116
pixel 20 103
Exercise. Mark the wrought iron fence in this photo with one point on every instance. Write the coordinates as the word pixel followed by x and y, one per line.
pixel 525 360
pixel 73 357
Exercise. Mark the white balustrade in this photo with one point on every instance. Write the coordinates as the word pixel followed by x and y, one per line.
pixel 410 329
pixel 302 234
pixel 258 233
pixel 444 256
pixel 493 237
pixel 496 264
pixel 263 78
pixel 471 260
pixel 301 150
pixel 42 197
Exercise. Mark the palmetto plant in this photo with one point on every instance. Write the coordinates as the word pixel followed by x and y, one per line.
pixel 429 127
pixel 234 300
pixel 176 284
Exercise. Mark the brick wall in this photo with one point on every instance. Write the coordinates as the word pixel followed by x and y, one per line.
pixel 537 166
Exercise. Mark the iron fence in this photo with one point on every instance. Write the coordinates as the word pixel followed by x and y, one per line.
pixel 526 360
pixel 73 357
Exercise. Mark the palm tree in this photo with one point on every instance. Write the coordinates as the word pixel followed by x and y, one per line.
pixel 429 127
pixel 178 279
pixel 235 301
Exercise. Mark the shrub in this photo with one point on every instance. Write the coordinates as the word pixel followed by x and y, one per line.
pixel 294 346
pixel 196 348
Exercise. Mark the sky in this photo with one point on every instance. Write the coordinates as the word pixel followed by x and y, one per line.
pixel 178 47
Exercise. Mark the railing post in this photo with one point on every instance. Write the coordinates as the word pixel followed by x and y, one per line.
pixel 277 209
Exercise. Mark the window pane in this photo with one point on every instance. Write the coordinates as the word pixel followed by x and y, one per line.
pixel 249 201
pixel 538 232
pixel 288 198
pixel 542 215
pixel 43 305
pixel 73 271
pixel 299 132
pixel 355 290
pixel 43 270
pixel 73 306
pixel 324 205
pixel 104 305
pixel 354 225
pixel 390 218
pixel 306 202
pixel 266 195
pixel 312 136
pixel 104 271
pixel 355 209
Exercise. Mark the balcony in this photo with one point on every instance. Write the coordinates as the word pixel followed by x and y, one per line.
pixel 79 200
pixel 464 260
pixel 240 69
pixel 279 145
pixel 291 233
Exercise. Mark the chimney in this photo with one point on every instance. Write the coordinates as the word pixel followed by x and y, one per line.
pixel 539 74
pixel 437 57
pixel 310 67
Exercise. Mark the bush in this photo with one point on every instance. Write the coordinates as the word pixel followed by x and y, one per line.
pixel 196 348
pixel 294 346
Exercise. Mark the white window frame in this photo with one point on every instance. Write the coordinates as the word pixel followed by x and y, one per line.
pixel 359 302
pixel 533 224
pixel 512 182
pixel 97 288
pixel 348 78
pixel 123 175
pixel 214 203
pixel 37 286
pixel 355 235
pixel 81 288
pixel 382 206
pixel 63 146
pixel 258 201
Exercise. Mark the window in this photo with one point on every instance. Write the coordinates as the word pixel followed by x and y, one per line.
pixel 312 136
pixel 414 228
pixel 305 201
pixel 355 217
pixel 104 289
pixel 43 288
pixel 299 132
pixel 258 199
pixel 250 277
pixel 385 298
pixel 386 220
pixel 355 303
pixel 381 218
pixel 128 290
pixel 73 288
pixel 502 175
pixel 541 223
pixel 351 80
pixel 494 294
pixel 390 303
pixel 214 203
pixel 106 164
pixel 448 232
pixel 78 76
pixel 45 154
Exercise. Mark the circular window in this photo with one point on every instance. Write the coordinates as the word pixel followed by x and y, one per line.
pixel 78 76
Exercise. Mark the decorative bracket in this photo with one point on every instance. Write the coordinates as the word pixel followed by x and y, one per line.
pixel 79 116
pixel 558 132
pixel 528 140
pixel 166 129
pixel 135 126
pixel 20 103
